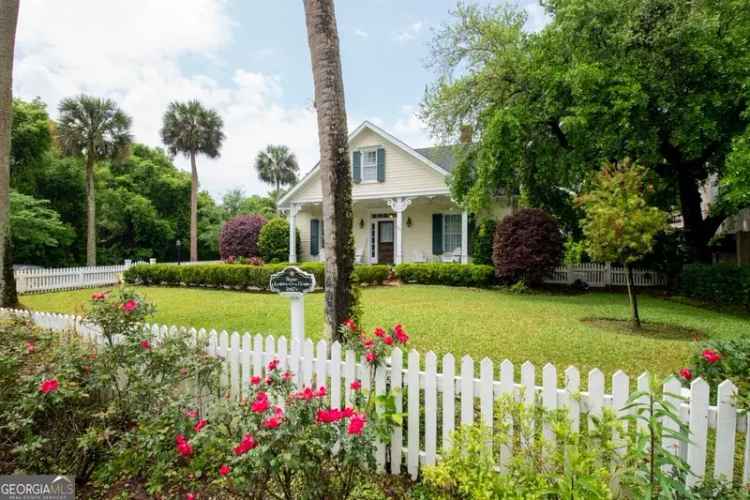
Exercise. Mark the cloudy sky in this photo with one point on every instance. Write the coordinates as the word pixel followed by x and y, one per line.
pixel 246 58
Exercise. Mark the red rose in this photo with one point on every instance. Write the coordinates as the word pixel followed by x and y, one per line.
pixel 357 424
pixel 686 374
pixel 184 448
pixel 146 344
pixel 98 296
pixel 129 306
pixel 328 416
pixel 368 343
pixel 356 385
pixel 261 403
pixel 268 380
pixel 379 332
pixel 247 444
pixel 321 391
pixel 287 376
pixel 200 424
pixel 255 379
pixel 350 324
pixel 307 394
pixel 347 412
pixel 371 357
pixel 388 340
pixel 191 496
pixel 224 470
pixel 711 356
pixel 48 385
pixel 273 364
pixel 400 334
pixel 272 422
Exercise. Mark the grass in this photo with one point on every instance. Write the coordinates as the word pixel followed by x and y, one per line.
pixel 561 329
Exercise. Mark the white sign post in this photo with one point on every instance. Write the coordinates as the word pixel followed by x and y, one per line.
pixel 294 283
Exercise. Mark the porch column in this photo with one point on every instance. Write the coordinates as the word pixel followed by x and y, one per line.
pixel 292 216
pixel 464 237
pixel 399 205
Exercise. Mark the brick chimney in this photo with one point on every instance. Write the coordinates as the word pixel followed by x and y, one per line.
pixel 467 133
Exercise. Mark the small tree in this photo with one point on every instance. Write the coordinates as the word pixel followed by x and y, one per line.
pixel 528 245
pixel 619 225
pixel 273 242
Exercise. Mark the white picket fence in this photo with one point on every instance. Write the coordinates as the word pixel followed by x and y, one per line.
pixel 454 394
pixel 67 278
pixel 601 275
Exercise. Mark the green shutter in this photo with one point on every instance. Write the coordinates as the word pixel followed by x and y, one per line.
pixel 472 233
pixel 437 234
pixel 381 165
pixel 314 236
pixel 357 167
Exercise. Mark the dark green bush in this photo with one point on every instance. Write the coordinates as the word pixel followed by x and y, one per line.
pixel 476 275
pixel 235 275
pixel 725 284
pixel 481 249
pixel 273 242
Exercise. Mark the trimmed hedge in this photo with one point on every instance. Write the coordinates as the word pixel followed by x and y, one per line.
pixel 239 276
pixel 725 284
pixel 474 275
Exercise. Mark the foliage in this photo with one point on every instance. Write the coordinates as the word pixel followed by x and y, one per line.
pixel 277 166
pixel 574 251
pixel 273 242
pixel 239 236
pixel 243 277
pixel 725 284
pixel 190 129
pixel 481 250
pixel 371 274
pixel 36 229
pixel 30 141
pixel 93 127
pixel 663 82
pixel 527 245
pixel 234 202
pixel 718 360
pixel 620 226
pixel 446 274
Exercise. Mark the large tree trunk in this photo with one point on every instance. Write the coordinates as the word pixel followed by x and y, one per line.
pixel 8 21
pixel 335 171
pixel 193 210
pixel 90 209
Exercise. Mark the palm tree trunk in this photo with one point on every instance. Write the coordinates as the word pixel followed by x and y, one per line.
pixel 335 171
pixel 634 317
pixel 90 209
pixel 8 22
pixel 193 210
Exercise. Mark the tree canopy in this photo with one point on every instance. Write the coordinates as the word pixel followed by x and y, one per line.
pixel 664 82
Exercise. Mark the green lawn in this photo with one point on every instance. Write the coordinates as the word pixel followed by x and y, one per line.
pixel 541 327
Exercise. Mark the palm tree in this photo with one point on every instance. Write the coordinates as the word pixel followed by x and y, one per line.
pixel 277 166
pixel 8 22
pixel 191 129
pixel 97 129
pixel 335 172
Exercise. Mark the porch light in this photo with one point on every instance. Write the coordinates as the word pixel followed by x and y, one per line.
pixel 361 223
pixel 408 222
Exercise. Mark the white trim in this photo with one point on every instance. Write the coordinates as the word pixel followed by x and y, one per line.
pixel 374 128
pixel 427 193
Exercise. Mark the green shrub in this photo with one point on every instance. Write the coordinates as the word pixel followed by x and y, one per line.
pixel 481 249
pixel 475 275
pixel 236 275
pixel 724 284
pixel 718 360
pixel 273 242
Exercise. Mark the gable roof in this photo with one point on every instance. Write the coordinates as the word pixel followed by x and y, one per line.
pixel 445 156
pixel 430 158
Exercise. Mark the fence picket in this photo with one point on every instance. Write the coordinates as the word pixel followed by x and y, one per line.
pixel 620 392
pixel 258 356
pixel 506 389
pixel 234 364
pixel 449 399
pixel 307 363
pixel 467 390
pixel 726 425
pixel 696 452
pixel 430 408
pixel 413 415
pixel 596 394
pixel 336 375
pixel 487 400
pixel 379 391
pixel 349 376
pixel 670 393
pixel 320 364
pixel 397 435
pixel 246 362
pixel 549 397
pixel 571 397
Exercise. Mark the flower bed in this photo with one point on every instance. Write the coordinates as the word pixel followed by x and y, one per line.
pixel 236 276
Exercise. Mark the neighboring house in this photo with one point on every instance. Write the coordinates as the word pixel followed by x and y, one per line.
pixel 736 227
pixel 402 208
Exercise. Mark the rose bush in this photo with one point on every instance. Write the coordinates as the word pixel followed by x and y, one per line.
pixel 719 360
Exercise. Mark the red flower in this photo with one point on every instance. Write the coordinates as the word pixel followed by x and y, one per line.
pixel 357 424
pixel 321 391
pixel 307 394
pixel 347 412
pixel 247 444
pixel 400 334
pixel 179 438
pixel 287 376
pixel 686 374
pixel 29 347
pixel 200 424
pixel 255 379
pixel 356 385
pixel 99 296
pixel 49 385
pixel 129 306
pixel 388 340
pixel 272 422
pixel 328 416
pixel 146 344
pixel 224 470
pixel 261 403
pixel 191 496
pixel 350 324
pixel 368 343
pixel 183 447
pixel 379 332
pixel 711 356
pixel 273 364
pixel 268 380
pixel 371 357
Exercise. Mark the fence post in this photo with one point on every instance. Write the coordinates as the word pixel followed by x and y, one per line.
pixel 608 274
pixel 569 274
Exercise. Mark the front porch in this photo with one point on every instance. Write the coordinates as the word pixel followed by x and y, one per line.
pixel 389 230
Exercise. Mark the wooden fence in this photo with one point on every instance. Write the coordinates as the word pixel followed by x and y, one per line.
pixel 440 395
pixel 67 278
pixel 601 275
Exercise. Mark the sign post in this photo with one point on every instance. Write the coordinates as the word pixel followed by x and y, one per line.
pixel 294 283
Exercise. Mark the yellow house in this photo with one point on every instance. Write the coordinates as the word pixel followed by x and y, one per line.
pixel 402 208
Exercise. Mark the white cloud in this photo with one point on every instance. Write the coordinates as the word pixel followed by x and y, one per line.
pixel 65 48
pixel 361 33
pixel 411 129
pixel 410 33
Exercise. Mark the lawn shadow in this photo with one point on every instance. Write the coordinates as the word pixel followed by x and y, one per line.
pixel 649 329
